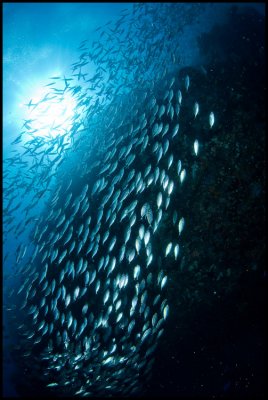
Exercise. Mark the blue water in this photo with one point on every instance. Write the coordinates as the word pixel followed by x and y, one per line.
pixel 41 40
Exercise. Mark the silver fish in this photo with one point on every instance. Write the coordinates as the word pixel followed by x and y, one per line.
pixel 196 109
pixel 187 82
pixel 211 119
pixel 196 147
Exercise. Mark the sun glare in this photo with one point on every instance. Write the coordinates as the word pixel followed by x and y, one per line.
pixel 49 114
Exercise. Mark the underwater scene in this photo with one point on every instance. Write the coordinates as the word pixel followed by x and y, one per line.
pixel 134 200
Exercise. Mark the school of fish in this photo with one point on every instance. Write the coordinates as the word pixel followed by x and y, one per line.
pixel 91 306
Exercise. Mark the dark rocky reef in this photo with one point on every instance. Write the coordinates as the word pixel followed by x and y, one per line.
pixel 215 341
